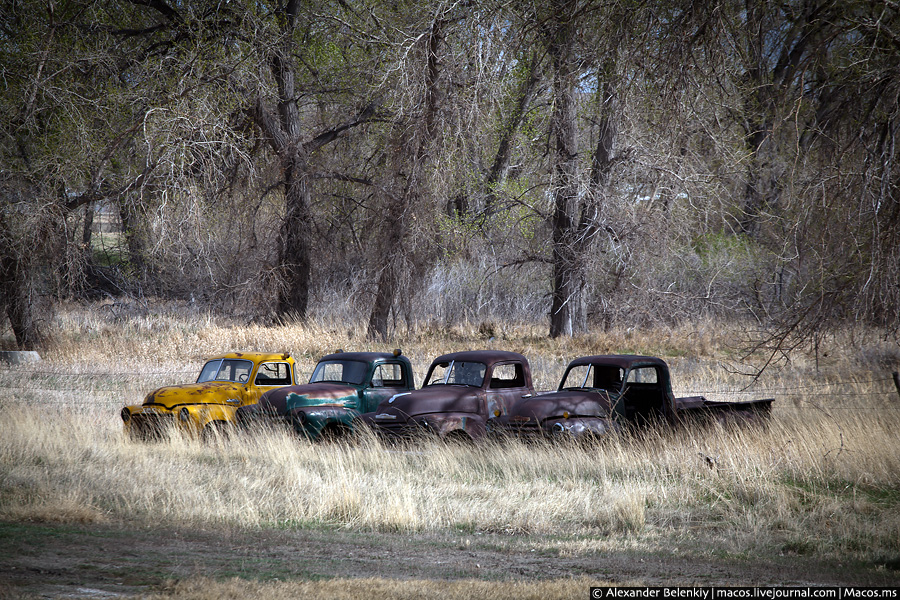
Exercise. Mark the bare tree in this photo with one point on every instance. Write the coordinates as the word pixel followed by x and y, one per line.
pixel 577 204
pixel 412 138
pixel 294 145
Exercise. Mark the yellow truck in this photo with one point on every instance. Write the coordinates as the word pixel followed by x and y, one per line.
pixel 226 383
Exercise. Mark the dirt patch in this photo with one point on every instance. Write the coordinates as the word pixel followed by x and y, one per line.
pixel 108 560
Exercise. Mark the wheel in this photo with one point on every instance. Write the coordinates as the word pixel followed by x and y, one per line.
pixel 217 431
pixel 334 433
pixel 458 437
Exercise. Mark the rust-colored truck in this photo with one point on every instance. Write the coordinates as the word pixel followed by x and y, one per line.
pixel 460 392
pixel 602 394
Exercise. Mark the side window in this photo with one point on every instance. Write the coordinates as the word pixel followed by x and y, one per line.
pixel 608 377
pixel 643 375
pixel 274 374
pixel 508 376
pixel 388 375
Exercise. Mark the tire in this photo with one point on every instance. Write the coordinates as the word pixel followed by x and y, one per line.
pixel 458 437
pixel 334 433
pixel 217 431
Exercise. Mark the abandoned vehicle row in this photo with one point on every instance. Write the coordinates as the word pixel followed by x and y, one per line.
pixel 465 395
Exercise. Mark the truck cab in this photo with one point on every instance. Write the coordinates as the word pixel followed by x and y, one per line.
pixel 342 386
pixel 460 392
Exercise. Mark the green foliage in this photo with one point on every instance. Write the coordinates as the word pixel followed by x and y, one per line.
pixel 716 248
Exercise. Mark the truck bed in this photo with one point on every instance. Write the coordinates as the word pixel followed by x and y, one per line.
pixel 699 404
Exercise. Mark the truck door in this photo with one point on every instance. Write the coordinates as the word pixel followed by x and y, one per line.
pixel 506 387
pixel 269 375
pixel 644 395
pixel 388 379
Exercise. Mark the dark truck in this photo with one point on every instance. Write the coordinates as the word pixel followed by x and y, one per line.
pixel 602 394
pixel 460 392
pixel 342 386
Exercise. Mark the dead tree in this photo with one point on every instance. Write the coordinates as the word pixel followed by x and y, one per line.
pixel 410 169
pixel 284 130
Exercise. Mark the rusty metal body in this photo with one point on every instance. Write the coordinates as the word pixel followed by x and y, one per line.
pixel 460 392
pixel 602 394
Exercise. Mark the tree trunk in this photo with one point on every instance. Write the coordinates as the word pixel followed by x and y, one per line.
pixel 16 291
pixel 504 148
pixel 293 247
pixel 283 133
pixel 393 250
pixel 567 277
pixel 754 192
pixel 414 155
pixel 132 219
pixel 87 232
pixel 379 320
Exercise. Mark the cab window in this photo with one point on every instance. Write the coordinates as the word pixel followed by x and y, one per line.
pixel 643 375
pixel 605 377
pixel 388 375
pixel 340 371
pixel 274 373
pixel 228 369
pixel 456 373
pixel 508 376
pixel 234 370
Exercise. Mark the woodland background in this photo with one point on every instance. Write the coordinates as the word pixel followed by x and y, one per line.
pixel 399 164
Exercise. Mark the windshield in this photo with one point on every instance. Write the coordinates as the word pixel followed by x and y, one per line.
pixel 340 371
pixel 604 377
pixel 457 373
pixel 226 369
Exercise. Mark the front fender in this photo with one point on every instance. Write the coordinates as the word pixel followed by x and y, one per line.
pixel 443 425
pixel 311 421
pixel 193 418
pixel 579 427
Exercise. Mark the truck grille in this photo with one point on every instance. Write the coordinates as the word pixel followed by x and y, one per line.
pixel 151 426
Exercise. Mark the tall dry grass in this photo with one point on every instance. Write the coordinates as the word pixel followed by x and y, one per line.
pixel 823 478
pixel 378 589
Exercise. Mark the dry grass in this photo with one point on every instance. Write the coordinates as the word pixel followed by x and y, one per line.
pixel 823 479
pixel 377 589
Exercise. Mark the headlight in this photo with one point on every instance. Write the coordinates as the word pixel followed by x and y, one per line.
pixel 184 415
pixel 558 428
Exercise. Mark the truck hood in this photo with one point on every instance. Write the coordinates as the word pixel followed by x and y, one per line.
pixel 280 401
pixel 433 399
pixel 560 404
pixel 209 392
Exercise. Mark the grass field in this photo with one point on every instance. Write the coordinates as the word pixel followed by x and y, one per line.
pixel 820 484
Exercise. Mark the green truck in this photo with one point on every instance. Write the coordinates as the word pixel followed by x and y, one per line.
pixel 342 386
